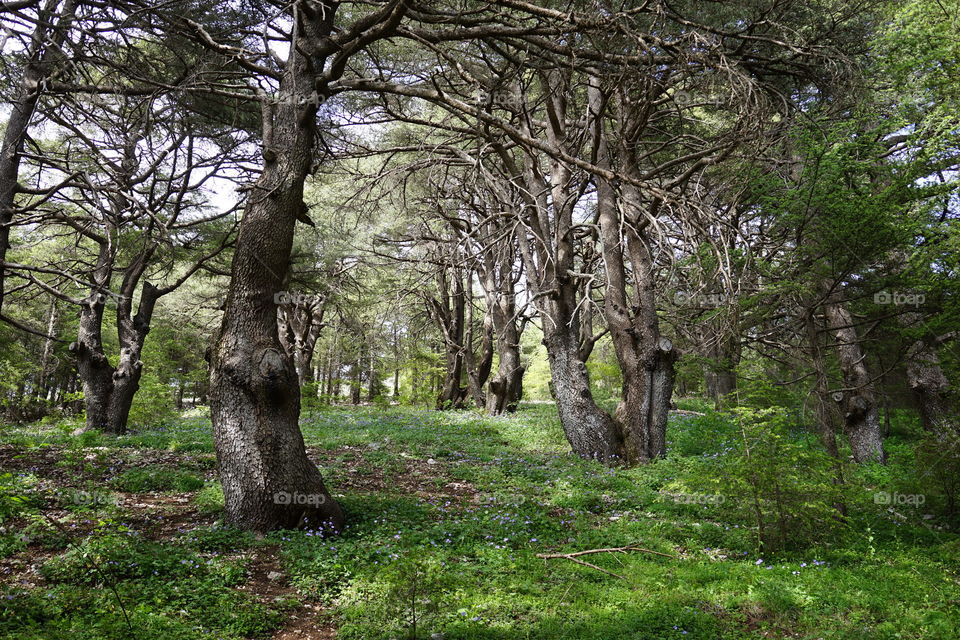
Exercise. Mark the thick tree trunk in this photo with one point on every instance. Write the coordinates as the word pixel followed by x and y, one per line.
pixel 646 359
pixel 300 323
pixel 478 370
pixel 268 480
pixel 373 382
pixel 931 388
pixel 355 383
pixel 506 388
pixel 858 402
pixel 449 312
pixel 591 431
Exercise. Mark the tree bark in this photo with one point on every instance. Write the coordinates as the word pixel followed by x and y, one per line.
pixel 858 402
pixel 506 388
pixel 931 388
pixel 268 480
pixel 646 358
pixel 825 411
pixel 448 310
pixel 300 323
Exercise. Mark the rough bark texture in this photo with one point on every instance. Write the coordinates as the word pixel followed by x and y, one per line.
pixel 646 359
pixel 825 410
pixel 549 260
pixel 478 366
pixel 268 480
pixel 931 388
pixel 858 401
pixel 109 391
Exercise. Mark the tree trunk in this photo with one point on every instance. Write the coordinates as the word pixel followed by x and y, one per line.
pixel 478 370
pixel 723 352
pixel 931 388
pixel 506 388
pixel 448 311
pixel 858 401
pixel 300 323
pixel 268 480
pixel 373 383
pixel 646 359
pixel 355 383
pixel 591 432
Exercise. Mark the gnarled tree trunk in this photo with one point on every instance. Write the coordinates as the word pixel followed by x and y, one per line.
pixel 858 400
pixel 268 480
pixel 931 388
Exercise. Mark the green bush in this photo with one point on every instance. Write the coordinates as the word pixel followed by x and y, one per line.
pixel 782 485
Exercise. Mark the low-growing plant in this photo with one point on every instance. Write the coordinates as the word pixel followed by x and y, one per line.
pixel 209 498
pixel 157 478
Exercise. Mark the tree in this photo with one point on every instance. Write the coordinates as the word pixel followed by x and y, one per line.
pixel 255 396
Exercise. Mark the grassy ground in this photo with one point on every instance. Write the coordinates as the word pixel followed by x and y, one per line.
pixel 119 538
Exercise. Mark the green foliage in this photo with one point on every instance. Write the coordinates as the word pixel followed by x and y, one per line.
pixel 115 557
pixel 210 498
pixel 157 478
pixel 165 591
pixel 936 473
pixel 456 541
pixel 786 488
pixel 410 595
pixel 153 405
pixel 17 495
pixel 217 538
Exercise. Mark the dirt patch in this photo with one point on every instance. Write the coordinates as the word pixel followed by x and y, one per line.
pixel 268 583
pixel 425 478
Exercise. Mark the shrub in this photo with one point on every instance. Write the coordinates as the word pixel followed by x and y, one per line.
pixel 784 487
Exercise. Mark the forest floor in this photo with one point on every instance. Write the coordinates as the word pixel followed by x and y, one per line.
pixel 120 538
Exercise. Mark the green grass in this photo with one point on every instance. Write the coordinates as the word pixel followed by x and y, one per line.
pixel 455 543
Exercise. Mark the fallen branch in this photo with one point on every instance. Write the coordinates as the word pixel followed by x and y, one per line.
pixel 573 556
